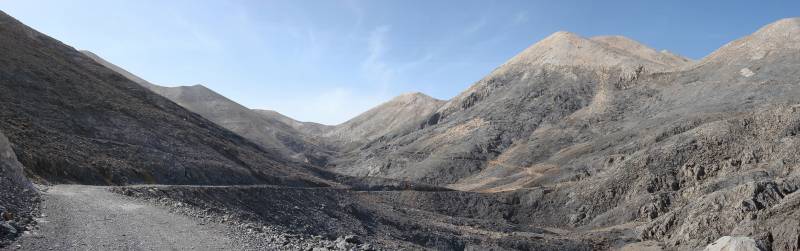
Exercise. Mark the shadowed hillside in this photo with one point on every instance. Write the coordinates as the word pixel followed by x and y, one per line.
pixel 73 120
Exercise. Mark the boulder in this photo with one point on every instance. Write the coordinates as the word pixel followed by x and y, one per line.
pixel 729 243
pixel 7 230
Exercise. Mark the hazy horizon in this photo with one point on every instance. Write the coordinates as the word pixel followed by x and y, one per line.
pixel 329 61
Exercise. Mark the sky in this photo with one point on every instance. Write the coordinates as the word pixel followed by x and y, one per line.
pixel 327 61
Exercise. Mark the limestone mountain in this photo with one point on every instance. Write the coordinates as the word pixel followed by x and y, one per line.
pixel 399 115
pixel 269 132
pixel 566 48
pixel 573 144
pixel 663 60
pixel 592 141
pixel 72 120
pixel 536 86
pixel 308 128
pixel 779 37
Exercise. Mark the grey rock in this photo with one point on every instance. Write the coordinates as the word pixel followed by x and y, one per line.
pixel 729 243
pixel 7 230
pixel 353 239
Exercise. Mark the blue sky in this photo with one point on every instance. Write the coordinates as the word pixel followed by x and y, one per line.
pixel 327 61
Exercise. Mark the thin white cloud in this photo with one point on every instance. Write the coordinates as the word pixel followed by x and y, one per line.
pixel 521 17
pixel 358 11
pixel 475 27
pixel 373 67
pixel 331 106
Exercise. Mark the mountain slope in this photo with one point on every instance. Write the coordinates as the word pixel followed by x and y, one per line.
pixel 681 156
pixel 73 120
pixel 117 69
pixel 662 58
pixel 398 115
pixel 566 48
pixel 546 82
pixel 307 128
pixel 268 132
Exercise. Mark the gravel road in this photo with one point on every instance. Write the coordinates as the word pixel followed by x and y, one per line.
pixel 92 218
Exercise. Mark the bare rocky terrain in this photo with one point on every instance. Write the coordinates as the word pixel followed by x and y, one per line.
pixel 402 114
pixel 574 144
pixel 71 119
pixel 18 198
pixel 268 132
pixel 683 155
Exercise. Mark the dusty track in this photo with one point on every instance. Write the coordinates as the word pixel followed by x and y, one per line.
pixel 92 218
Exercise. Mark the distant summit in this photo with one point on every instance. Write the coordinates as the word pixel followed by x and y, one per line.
pixel 267 131
pixel 566 48
pixel 782 35
pixel 627 45
pixel 404 112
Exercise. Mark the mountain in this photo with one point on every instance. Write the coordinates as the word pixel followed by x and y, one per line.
pixel 303 141
pixel 269 132
pixel 72 120
pixel 779 37
pixel 403 113
pixel 566 48
pixel 599 133
pixel 308 128
pixel 118 69
pixel 664 59
pixel 545 82
pixel 573 144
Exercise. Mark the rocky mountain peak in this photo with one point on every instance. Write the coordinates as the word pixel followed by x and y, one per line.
pixel 398 114
pixel 786 26
pixel 412 97
pixel 781 35
pixel 642 51
pixel 570 49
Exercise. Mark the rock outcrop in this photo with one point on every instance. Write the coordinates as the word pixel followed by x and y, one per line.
pixel 728 243
pixel 18 197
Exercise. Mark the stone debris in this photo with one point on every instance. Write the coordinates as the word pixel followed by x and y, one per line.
pixel 730 243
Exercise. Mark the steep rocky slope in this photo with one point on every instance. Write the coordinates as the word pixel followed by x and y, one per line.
pixel 308 128
pixel 73 120
pixel 18 197
pixel 269 132
pixel 546 82
pixel 663 59
pixel 303 141
pixel 681 153
pixel 399 115
pixel 402 114
pixel 566 48
pixel 573 144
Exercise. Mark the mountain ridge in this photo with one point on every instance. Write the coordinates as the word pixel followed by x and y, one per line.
pixel 72 120
pixel 600 142
pixel 268 132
